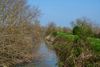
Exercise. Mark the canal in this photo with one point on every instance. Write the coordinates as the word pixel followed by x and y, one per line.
pixel 46 58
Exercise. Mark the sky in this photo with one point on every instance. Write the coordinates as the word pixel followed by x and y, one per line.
pixel 63 12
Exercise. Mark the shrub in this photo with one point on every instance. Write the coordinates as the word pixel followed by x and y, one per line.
pixel 82 28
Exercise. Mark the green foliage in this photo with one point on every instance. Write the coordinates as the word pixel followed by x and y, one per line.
pixel 67 36
pixel 63 33
pixel 79 49
pixel 83 29
pixel 95 44
pixel 73 47
pixel 76 30
pixel 54 34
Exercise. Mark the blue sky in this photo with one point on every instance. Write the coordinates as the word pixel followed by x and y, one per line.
pixel 63 12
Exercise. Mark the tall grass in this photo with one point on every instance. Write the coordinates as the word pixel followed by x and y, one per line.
pixel 76 52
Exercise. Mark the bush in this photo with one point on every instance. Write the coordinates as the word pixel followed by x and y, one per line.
pixel 83 29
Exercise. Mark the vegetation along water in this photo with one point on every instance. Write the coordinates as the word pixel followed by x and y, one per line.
pixel 25 42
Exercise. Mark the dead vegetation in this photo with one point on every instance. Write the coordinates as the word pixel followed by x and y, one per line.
pixel 17 33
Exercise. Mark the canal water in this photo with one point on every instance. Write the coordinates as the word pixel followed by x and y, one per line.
pixel 46 58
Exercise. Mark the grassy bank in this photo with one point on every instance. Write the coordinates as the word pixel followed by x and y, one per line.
pixel 78 46
pixel 76 52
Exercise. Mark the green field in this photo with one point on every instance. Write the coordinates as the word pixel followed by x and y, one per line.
pixel 94 42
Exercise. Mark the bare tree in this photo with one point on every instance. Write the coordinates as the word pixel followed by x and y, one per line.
pixel 50 28
pixel 16 32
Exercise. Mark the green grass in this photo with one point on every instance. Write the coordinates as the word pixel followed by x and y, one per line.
pixel 67 54
pixel 67 36
pixel 95 44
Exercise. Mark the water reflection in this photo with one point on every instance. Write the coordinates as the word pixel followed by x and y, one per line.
pixel 46 58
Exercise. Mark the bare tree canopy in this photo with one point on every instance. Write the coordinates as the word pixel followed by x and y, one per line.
pixel 16 31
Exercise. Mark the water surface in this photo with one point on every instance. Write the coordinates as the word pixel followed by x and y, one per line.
pixel 46 58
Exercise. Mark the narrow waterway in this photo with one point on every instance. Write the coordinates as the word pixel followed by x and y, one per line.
pixel 46 58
